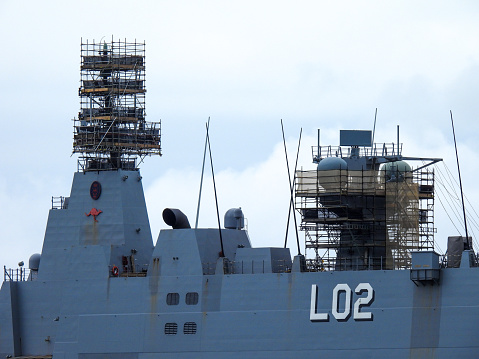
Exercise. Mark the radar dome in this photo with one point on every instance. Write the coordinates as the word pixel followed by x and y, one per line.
pixel 332 174
pixel 332 163
pixel 34 261
pixel 395 171
pixel 234 218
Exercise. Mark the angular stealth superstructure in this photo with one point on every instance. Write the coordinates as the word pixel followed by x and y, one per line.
pixel 102 289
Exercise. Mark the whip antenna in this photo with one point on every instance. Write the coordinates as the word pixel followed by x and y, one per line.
pixel 460 182
pixel 202 172
pixel 291 186
pixel 222 254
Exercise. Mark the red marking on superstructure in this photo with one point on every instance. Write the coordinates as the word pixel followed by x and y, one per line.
pixel 94 212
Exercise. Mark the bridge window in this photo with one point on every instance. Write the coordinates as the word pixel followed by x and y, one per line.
pixel 191 298
pixel 172 298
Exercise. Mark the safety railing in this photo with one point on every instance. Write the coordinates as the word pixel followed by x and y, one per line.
pixel 377 150
pixel 123 271
pixel 60 202
pixel 372 263
pixel 454 260
pixel 249 267
pixel 16 274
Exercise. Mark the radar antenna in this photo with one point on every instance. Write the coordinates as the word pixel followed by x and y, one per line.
pixel 111 131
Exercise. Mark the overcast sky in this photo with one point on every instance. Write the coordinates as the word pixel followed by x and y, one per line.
pixel 246 64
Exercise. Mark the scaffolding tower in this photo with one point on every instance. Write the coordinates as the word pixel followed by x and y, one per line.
pixel 111 131
pixel 370 215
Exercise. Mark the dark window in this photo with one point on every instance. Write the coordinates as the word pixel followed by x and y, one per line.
pixel 191 298
pixel 189 328
pixel 171 328
pixel 172 299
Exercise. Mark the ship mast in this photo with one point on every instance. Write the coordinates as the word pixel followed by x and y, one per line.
pixel 111 132
pixel 364 207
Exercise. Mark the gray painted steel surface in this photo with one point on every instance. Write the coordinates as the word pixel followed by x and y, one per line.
pixel 259 305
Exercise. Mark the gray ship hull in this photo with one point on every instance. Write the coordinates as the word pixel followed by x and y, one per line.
pixel 242 315
pixel 184 299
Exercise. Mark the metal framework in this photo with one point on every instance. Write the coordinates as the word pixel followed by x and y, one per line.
pixel 111 130
pixel 359 219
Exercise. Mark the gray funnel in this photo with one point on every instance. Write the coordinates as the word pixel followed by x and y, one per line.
pixel 175 218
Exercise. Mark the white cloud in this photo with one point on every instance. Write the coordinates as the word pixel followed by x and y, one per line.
pixel 261 190
pixel 247 64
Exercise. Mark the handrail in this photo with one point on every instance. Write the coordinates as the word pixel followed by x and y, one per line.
pixel 378 150
pixel 16 274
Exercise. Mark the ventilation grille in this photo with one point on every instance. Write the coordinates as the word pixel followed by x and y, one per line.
pixel 189 328
pixel 171 328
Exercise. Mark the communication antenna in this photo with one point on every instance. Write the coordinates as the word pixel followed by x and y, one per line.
pixel 374 127
pixel 398 152
pixel 460 181
pixel 319 144
pixel 291 185
pixel 202 172
pixel 222 254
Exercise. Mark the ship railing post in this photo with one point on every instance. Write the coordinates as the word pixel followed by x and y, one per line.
pixel 6 274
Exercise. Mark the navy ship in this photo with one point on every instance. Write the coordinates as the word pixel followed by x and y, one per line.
pixel 371 286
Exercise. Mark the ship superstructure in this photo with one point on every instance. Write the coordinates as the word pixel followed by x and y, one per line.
pixel 364 207
pixel 111 130
pixel 101 288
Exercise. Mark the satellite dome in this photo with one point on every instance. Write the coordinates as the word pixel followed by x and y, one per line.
pixel 395 171
pixel 34 261
pixel 331 173
pixel 332 163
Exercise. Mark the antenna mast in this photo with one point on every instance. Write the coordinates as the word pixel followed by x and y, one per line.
pixel 291 186
pixel 111 130
pixel 460 182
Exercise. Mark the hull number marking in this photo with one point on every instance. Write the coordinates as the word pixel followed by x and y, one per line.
pixel 342 313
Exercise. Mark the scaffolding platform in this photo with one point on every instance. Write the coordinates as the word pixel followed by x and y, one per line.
pixel 363 219
pixel 111 131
